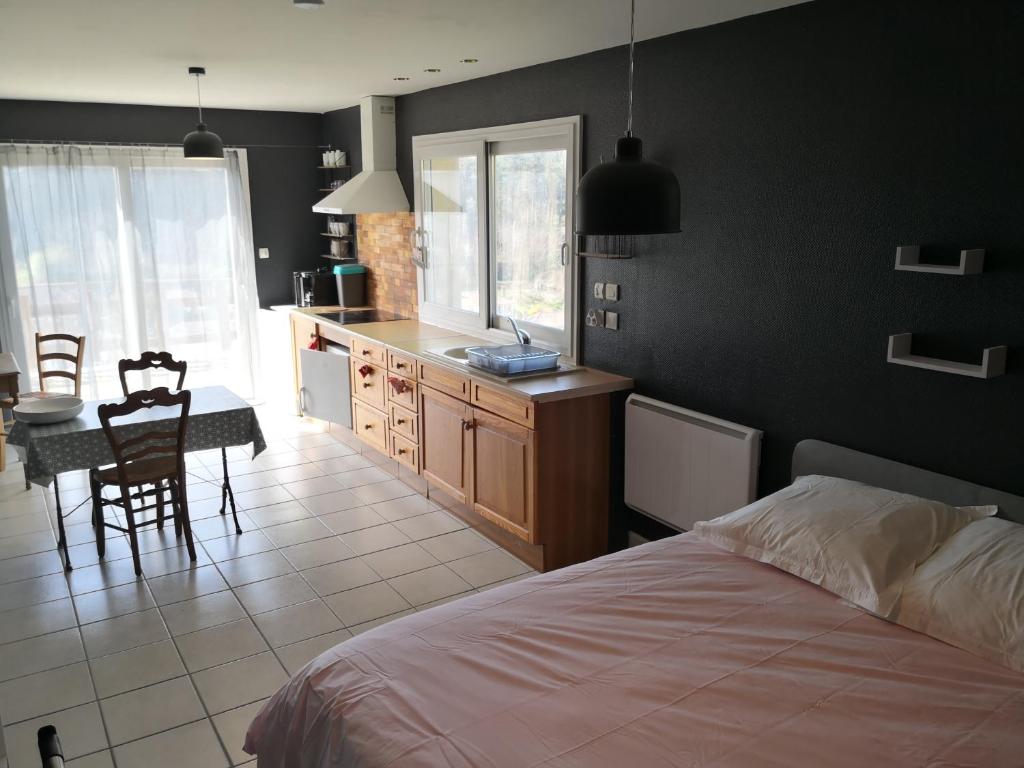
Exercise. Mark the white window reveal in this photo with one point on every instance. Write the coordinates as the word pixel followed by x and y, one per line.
pixel 494 230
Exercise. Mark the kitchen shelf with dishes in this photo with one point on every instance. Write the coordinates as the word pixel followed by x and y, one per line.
pixel 340 231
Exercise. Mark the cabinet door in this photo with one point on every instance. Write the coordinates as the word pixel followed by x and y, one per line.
pixel 303 334
pixel 503 474
pixel 324 392
pixel 444 439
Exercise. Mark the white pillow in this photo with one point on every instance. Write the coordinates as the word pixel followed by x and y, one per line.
pixel 859 542
pixel 971 593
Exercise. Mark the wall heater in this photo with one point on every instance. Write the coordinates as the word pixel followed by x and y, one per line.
pixel 683 466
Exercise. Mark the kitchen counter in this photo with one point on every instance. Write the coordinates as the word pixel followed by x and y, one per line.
pixel 415 338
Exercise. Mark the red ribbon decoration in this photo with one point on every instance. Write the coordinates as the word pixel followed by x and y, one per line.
pixel 365 371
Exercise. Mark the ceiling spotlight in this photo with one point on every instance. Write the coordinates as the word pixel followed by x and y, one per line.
pixel 432 69
pixel 399 78
pixel 468 61
pixel 308 5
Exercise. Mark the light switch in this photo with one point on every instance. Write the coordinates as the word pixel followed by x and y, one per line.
pixel 595 318
pixel 611 320
pixel 598 290
pixel 611 291
pixel 264 253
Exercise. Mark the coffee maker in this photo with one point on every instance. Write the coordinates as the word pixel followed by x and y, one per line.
pixel 315 288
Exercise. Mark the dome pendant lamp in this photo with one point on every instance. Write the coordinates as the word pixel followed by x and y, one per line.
pixel 202 144
pixel 628 195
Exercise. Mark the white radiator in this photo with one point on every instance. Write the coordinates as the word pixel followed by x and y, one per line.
pixel 683 466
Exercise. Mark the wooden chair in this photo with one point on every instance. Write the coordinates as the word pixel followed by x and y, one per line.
pixel 148 360
pixel 151 458
pixel 47 372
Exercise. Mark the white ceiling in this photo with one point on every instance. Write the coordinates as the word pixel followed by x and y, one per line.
pixel 266 54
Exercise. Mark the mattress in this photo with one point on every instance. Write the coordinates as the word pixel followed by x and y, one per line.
pixel 674 653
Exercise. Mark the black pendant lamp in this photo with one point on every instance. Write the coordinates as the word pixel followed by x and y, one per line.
pixel 202 144
pixel 628 195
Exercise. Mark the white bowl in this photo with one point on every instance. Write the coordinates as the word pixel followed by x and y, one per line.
pixel 49 410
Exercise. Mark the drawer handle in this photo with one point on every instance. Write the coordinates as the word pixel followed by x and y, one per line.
pixel 366 352
pixel 400 366
pixel 367 426
pixel 468 424
pixel 367 384
pixel 401 451
pixel 399 421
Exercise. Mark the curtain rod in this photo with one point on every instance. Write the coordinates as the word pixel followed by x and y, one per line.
pixel 155 144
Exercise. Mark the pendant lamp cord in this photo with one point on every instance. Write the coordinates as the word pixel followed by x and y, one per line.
pixel 632 37
pixel 199 99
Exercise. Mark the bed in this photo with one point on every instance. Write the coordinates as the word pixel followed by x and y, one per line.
pixel 674 653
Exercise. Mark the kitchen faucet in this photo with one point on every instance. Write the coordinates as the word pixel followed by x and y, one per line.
pixel 522 336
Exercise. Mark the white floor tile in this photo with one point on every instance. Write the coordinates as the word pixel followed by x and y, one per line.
pixel 136 668
pixel 488 567
pixel 80 729
pixel 342 464
pixel 429 585
pixel 240 682
pixel 335 501
pixel 354 519
pixel 219 645
pixel 398 560
pixel 264 565
pixel 218 526
pixel 392 489
pixel 41 653
pixel 297 532
pixel 114 601
pixel 270 594
pixel 262 497
pixel 106 574
pixel 319 552
pixel 332 451
pixel 172 561
pixel 277 514
pixel 286 475
pixel 452 546
pixel 403 507
pixel 232 727
pixel 30 566
pixel 45 692
pixel 336 577
pixel 104 759
pixel 232 546
pixel 176 587
pixel 311 441
pixel 148 710
pixel 201 612
pixel 358 629
pixel 367 540
pixel 432 524
pixel 295 656
pixel 195 745
pixel 124 632
pixel 362 604
pixel 315 486
pixel 20 623
pixel 297 622
pixel 32 591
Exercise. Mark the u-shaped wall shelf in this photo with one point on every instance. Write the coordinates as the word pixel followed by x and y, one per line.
pixel 993 360
pixel 908 259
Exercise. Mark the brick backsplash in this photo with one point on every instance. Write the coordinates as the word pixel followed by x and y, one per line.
pixel 384 247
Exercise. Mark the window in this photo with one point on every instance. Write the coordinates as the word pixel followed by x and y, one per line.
pixel 135 248
pixel 494 230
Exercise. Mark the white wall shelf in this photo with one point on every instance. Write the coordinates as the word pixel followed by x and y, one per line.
pixel 993 360
pixel 908 259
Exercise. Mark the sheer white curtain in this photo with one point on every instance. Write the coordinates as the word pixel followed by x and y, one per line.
pixel 135 248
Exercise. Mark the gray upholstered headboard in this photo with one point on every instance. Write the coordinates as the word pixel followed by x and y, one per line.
pixel 813 457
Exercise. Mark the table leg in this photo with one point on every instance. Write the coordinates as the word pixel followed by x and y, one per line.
pixel 62 541
pixel 24 468
pixel 225 490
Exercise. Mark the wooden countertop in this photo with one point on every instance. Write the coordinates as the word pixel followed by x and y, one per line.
pixel 415 338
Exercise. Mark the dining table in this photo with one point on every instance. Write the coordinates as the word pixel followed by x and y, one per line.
pixel 217 418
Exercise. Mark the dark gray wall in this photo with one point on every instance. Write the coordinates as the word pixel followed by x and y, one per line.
pixel 809 143
pixel 283 182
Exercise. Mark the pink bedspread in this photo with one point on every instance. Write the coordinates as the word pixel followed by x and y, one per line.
pixel 671 654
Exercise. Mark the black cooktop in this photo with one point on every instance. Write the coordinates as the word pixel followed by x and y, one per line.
pixel 351 316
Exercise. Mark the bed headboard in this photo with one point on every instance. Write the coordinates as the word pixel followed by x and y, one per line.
pixel 813 457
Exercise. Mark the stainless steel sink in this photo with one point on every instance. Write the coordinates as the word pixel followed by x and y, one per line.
pixel 455 354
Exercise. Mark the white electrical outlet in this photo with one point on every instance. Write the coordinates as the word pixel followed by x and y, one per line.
pixel 611 320
pixel 595 318
pixel 598 290
pixel 264 253
pixel 611 291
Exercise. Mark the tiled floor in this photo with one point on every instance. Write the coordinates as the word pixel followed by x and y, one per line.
pixel 168 669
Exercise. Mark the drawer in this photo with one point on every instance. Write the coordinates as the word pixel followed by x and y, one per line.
pixel 334 334
pixel 402 364
pixel 402 391
pixel 405 423
pixel 370 352
pixel 446 381
pixel 370 388
pixel 405 452
pixel 370 425
pixel 517 409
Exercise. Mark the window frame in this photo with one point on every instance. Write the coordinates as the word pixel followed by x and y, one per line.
pixel 483 324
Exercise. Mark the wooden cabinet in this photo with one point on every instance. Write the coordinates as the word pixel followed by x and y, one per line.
pixel 405 452
pixel 368 383
pixel 303 334
pixel 445 442
pixel 370 425
pixel 372 353
pixel 444 380
pixel 405 423
pixel 503 474
pixel 402 364
pixel 402 391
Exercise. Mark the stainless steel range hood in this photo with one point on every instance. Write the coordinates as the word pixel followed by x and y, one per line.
pixel 377 189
